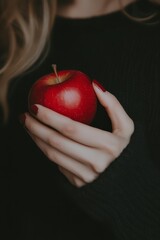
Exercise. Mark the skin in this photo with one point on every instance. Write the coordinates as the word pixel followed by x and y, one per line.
pixel 89 8
pixel 72 145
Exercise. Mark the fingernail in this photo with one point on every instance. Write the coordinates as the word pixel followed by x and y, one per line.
pixel 98 85
pixel 34 109
pixel 22 118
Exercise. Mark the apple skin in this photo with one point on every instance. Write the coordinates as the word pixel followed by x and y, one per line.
pixel 68 92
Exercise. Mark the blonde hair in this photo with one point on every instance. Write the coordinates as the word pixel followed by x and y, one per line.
pixel 25 27
pixel 24 30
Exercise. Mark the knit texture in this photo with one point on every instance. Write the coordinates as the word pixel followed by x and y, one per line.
pixel 123 203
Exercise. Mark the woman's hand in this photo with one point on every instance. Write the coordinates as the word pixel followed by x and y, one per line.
pixel 81 152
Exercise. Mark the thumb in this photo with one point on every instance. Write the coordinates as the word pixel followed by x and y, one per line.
pixel 121 122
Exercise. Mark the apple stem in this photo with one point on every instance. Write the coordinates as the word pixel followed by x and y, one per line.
pixel 55 71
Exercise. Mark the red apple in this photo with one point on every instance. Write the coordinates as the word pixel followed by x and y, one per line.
pixel 68 92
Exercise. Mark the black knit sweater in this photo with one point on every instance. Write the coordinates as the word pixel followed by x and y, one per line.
pixel 124 202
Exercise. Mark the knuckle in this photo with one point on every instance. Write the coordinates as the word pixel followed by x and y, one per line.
pixel 54 141
pixel 126 130
pixel 99 166
pixel 131 126
pixel 115 150
pixel 30 126
pixel 77 182
pixel 49 140
pixel 88 178
pixel 68 128
pixel 112 150
pixel 115 101
pixel 48 153
pixel 45 117
pixel 54 157
pixel 129 129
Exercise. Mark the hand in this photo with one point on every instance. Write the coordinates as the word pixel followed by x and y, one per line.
pixel 81 152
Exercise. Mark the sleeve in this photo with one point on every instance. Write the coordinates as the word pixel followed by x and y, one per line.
pixel 127 194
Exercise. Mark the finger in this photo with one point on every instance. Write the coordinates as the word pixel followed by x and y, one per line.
pixel 56 140
pixel 120 120
pixel 83 172
pixel 98 159
pixel 90 167
pixel 72 178
pixel 76 131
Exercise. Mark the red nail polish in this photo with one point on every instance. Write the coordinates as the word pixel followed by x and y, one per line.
pixel 22 118
pixel 34 109
pixel 99 85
